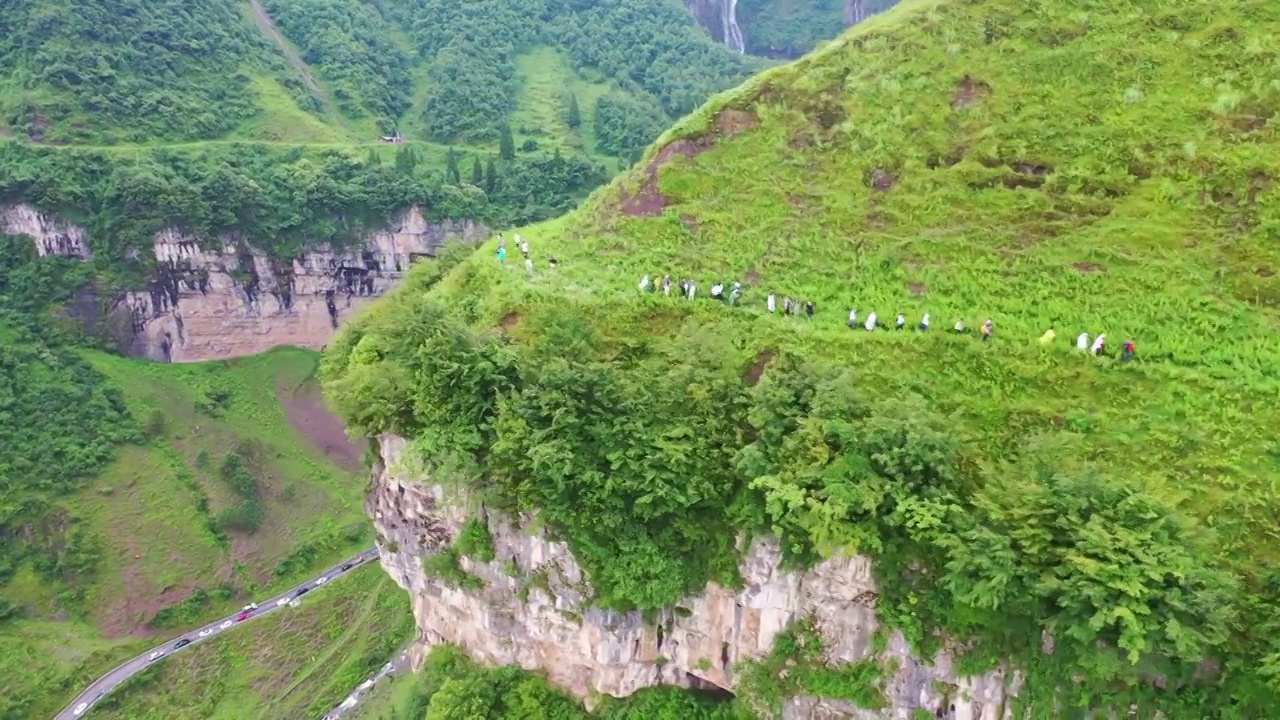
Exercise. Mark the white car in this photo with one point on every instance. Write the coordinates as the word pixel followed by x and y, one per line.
pixel 155 656
pixel 226 625
pixel 250 607
pixel 80 709
pixel 320 580
pixel 206 632
pixel 282 602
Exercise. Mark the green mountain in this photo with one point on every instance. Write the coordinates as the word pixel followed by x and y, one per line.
pixel 1105 523
pixel 344 71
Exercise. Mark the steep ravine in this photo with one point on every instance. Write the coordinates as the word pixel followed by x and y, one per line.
pixel 209 303
pixel 531 611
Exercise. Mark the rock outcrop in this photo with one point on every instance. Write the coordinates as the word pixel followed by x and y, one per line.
pixel 533 611
pixel 208 303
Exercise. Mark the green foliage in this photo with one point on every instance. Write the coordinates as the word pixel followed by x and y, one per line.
pixel 474 541
pixel 506 144
pixel 796 666
pixel 58 421
pixel 1003 488
pixel 247 514
pixel 348 42
pixel 626 124
pixel 125 68
pixel 279 200
pixel 444 566
pixel 573 116
pixel 450 685
pixel 781 29
pixel 645 46
pixel 191 610
pixel 664 702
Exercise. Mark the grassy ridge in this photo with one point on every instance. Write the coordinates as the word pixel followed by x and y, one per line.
pixel 1090 167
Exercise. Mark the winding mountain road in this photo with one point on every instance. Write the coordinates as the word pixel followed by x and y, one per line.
pixel 105 684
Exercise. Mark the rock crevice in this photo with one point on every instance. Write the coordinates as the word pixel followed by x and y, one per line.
pixel 534 611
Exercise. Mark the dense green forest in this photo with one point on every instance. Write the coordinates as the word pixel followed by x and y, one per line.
pixel 787 29
pixel 124 71
pixel 351 46
pixel 280 200
pixel 451 685
pixel 59 422
pixel 130 70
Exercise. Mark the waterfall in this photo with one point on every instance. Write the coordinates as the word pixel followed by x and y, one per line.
pixel 732 33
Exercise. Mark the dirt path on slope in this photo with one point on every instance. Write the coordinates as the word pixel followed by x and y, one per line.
pixel 268 26
pixel 308 415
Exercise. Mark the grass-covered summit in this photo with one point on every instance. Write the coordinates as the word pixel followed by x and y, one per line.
pixel 1086 166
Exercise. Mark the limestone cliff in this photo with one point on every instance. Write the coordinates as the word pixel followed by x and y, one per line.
pixel 206 303
pixel 532 611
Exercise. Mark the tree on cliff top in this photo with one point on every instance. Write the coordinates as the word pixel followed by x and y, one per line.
pixel 929 161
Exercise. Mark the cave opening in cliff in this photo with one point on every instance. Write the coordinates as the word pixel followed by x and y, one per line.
pixel 707 689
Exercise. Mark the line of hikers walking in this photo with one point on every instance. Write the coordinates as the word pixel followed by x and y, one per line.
pixel 793 307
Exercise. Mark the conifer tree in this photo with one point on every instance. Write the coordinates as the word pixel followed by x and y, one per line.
pixel 490 176
pixel 451 167
pixel 507 145
pixel 575 116
pixel 477 172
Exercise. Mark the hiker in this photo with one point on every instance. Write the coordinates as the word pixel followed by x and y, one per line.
pixel 735 293
pixel 644 284
pixel 1127 354
pixel 1048 336
pixel 717 292
pixel 808 309
pixel 554 263
pixel 772 303
pixel 902 322
pixel 1082 342
pixel 871 322
pixel 528 264
pixel 959 328
pixel 924 323
pixel 502 253
pixel 1100 345
pixel 692 289
pixel 524 246
pixel 786 306
pixel 986 330
pixel 666 286
pixel 853 319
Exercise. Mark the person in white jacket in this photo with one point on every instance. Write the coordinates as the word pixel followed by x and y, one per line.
pixel 772 303
pixel 902 321
pixel 1082 342
pixel 924 323
pixel 1100 344
pixel 871 321
pixel 853 319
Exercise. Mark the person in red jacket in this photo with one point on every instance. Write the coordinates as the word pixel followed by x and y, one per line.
pixel 1127 354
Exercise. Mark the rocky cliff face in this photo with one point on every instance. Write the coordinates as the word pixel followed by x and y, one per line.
pixel 208 303
pixel 532 611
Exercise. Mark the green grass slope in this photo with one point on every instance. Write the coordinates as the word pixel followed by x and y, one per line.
pixel 157 522
pixel 298 662
pixel 1083 166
